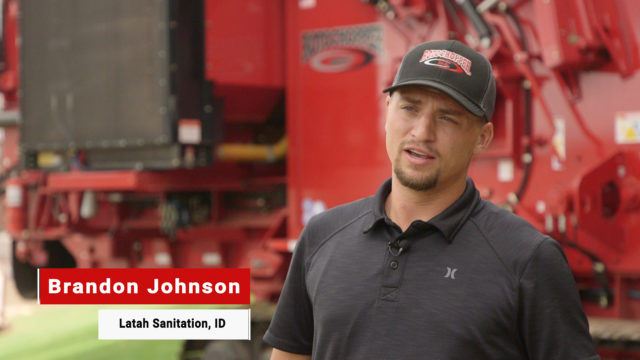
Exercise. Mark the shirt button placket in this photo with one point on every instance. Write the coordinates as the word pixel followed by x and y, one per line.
pixel 393 264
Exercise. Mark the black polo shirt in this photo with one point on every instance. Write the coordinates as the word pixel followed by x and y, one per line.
pixel 477 282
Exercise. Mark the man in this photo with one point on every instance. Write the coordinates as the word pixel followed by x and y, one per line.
pixel 425 269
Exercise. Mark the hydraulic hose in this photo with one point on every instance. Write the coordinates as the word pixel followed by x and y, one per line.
pixel 528 151
pixel 478 22
pixel 253 152
pixel 604 295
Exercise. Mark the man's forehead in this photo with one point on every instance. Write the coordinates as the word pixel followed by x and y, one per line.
pixel 417 93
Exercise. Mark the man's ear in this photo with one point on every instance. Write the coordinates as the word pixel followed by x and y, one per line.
pixel 387 102
pixel 484 139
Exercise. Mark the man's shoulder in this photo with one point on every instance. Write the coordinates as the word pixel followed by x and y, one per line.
pixel 344 220
pixel 512 238
pixel 493 218
pixel 341 216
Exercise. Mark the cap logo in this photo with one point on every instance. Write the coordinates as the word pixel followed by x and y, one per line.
pixel 447 60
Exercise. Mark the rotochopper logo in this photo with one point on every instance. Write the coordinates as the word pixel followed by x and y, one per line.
pixel 447 60
pixel 341 49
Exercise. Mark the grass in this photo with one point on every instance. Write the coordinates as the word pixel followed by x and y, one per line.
pixel 56 332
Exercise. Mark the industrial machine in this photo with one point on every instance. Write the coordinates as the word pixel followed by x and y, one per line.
pixel 166 133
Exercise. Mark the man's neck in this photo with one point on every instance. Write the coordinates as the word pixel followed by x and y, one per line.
pixel 405 205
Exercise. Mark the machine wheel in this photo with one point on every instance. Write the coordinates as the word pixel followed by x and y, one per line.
pixel 25 275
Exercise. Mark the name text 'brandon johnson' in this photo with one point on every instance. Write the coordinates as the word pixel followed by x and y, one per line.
pixel 176 287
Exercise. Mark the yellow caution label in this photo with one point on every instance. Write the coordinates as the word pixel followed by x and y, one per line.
pixel 627 127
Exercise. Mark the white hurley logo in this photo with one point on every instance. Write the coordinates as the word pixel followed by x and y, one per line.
pixel 451 273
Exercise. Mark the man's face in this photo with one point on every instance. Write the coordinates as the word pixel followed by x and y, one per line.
pixel 431 138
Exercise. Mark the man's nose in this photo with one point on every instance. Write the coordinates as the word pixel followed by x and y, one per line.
pixel 424 128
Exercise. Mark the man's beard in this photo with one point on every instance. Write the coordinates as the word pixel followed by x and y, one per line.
pixel 422 183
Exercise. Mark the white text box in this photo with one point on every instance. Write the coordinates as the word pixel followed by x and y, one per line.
pixel 167 324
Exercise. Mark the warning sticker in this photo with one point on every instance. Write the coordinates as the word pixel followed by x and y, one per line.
pixel 627 129
pixel 189 131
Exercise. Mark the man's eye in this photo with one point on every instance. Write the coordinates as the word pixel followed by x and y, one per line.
pixel 448 119
pixel 408 108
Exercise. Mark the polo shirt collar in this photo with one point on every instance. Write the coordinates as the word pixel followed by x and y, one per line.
pixel 448 222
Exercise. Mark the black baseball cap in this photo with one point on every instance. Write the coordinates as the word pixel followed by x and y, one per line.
pixel 453 68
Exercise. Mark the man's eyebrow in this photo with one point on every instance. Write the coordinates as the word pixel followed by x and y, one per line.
pixel 450 111
pixel 411 100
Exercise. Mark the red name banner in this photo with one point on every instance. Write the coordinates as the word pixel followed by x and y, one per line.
pixel 143 286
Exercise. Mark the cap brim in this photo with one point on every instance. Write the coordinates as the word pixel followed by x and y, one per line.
pixel 461 99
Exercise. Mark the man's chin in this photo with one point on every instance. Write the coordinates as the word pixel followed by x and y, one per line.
pixel 417 183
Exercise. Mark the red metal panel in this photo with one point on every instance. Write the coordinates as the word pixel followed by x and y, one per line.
pixel 561 25
pixel 337 68
pixel 571 32
pixel 220 178
pixel 244 42
pixel 112 180
pixel 244 56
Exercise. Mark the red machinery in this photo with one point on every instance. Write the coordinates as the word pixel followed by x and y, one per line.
pixel 153 136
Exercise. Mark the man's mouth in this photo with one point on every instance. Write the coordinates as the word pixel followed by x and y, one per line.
pixel 418 154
